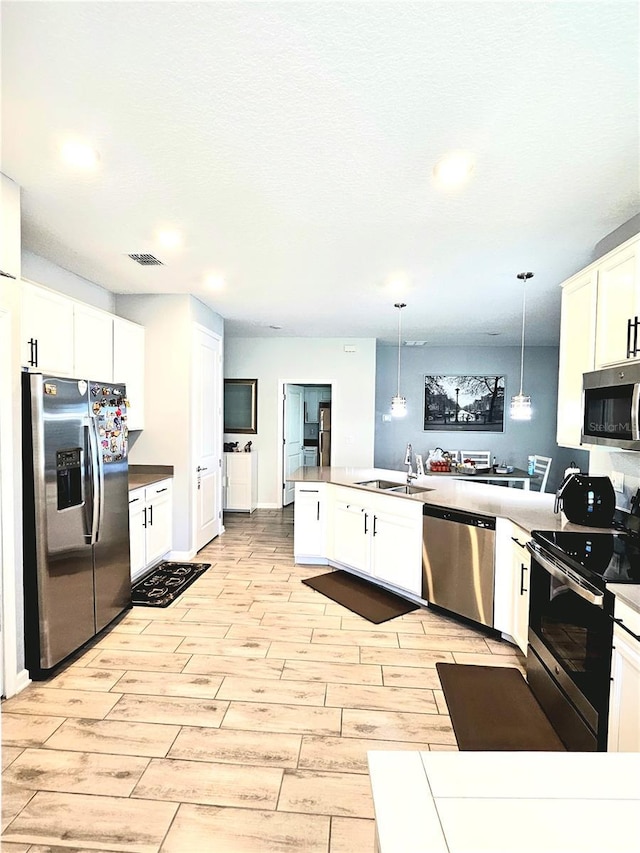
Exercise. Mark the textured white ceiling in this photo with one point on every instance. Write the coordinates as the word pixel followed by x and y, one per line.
pixel 293 145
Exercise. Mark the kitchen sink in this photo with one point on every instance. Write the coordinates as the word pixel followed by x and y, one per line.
pixel 397 488
pixel 409 490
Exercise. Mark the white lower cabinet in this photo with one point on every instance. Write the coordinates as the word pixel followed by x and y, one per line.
pixel 511 586
pixel 624 702
pixel 150 523
pixel 350 535
pixel 240 482
pixel 309 531
pixel 378 535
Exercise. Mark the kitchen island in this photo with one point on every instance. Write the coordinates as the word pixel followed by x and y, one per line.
pixel 505 802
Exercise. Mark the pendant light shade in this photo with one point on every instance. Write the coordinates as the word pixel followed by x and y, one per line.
pixel 398 402
pixel 520 409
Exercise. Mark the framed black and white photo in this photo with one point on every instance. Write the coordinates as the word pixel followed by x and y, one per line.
pixel 464 403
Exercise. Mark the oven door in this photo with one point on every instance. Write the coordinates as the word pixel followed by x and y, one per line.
pixel 570 634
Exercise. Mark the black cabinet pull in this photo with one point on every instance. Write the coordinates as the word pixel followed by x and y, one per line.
pixel 518 542
pixel 318 513
pixel 151 516
pixel 629 338
pixel 144 517
pixel 523 569
pixel 33 352
pixel 375 519
pixel 366 515
pixel 133 500
pixel 161 490
pixel 635 336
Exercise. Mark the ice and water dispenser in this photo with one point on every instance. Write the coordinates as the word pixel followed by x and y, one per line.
pixel 69 477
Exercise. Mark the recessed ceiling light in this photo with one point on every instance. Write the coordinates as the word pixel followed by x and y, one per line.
pixel 397 283
pixel 79 155
pixel 169 238
pixel 214 282
pixel 454 169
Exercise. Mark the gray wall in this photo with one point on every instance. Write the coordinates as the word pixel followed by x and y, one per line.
pixel 512 446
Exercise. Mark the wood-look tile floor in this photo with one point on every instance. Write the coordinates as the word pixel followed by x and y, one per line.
pixel 237 720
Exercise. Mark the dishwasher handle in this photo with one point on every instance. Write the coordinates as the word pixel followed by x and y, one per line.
pixel 484 522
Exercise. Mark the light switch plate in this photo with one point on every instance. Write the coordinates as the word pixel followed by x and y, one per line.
pixel 617 478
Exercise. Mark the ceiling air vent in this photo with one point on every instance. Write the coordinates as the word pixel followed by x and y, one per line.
pixel 146 260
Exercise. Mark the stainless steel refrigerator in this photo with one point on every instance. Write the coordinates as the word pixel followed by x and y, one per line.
pixel 76 521
pixel 324 433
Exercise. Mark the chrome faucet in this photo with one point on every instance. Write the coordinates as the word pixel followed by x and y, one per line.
pixel 407 461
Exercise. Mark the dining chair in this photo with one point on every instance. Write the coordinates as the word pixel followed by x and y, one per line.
pixel 541 466
pixel 482 458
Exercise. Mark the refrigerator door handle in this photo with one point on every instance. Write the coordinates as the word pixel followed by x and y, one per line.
pixel 97 481
pixel 89 501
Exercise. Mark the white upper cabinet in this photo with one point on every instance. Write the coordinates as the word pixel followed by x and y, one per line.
pixel 618 306
pixel 128 367
pixel 577 334
pixel 92 343
pixel 65 337
pixel 599 327
pixel 47 331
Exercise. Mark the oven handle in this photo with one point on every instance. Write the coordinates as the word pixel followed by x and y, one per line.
pixel 586 591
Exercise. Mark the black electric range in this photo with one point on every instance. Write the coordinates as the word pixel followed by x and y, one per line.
pixel 600 558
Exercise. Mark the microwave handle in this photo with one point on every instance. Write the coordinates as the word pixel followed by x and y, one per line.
pixel 635 415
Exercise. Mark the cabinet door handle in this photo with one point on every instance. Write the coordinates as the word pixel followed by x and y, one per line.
pixel 133 500
pixel 635 336
pixel 629 338
pixel 375 519
pixel 318 513
pixel 518 542
pixel 366 516
pixel 151 516
pixel 7 275
pixel 33 352
pixel 201 469
pixel 523 569
pixel 158 491
pixel 144 517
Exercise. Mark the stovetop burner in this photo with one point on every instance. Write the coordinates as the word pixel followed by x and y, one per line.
pixel 608 557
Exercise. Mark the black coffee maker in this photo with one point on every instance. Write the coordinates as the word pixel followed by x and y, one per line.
pixel 586 500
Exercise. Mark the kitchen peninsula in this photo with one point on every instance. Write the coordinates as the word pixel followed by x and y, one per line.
pixel 369 521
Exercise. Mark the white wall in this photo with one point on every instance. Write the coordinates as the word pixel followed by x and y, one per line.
pixel 167 437
pixel 306 361
pixel 42 271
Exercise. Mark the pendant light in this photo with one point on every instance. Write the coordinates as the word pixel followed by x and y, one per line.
pixel 520 403
pixel 398 402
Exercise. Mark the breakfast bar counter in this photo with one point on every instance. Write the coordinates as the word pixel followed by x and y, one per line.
pixel 506 802
pixel 529 510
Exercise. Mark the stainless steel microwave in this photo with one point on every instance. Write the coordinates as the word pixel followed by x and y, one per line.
pixel 611 407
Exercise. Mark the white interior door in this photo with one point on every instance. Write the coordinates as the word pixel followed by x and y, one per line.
pixel 293 445
pixel 207 435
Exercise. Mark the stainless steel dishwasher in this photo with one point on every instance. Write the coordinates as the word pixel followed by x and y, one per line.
pixel 458 562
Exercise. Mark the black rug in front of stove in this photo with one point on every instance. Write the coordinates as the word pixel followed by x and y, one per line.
pixel 165 583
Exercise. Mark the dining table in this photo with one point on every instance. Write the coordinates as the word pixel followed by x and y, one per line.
pixel 517 476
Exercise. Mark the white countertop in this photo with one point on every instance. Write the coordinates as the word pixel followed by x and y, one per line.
pixel 506 802
pixel 530 510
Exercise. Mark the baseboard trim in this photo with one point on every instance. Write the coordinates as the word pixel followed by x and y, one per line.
pixel 180 556
pixel 21 681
